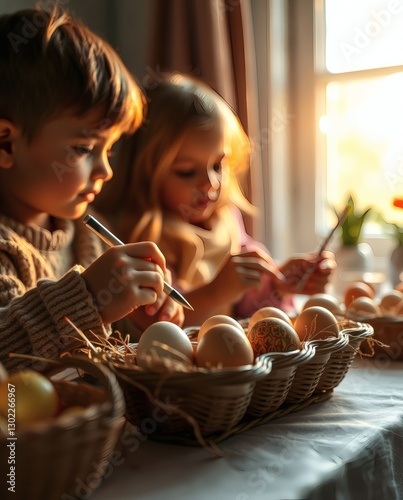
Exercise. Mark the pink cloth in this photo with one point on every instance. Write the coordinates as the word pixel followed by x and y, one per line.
pixel 267 294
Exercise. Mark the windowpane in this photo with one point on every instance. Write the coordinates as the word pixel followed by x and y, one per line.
pixel 363 34
pixel 364 132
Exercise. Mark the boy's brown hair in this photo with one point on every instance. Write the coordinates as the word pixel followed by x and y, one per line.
pixel 51 63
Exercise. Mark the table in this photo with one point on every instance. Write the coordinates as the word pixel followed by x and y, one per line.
pixel 347 447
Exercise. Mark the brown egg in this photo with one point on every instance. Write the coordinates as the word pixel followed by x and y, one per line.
pixel 399 287
pixel 398 310
pixel 273 335
pixel 315 323
pixel 217 320
pixel 357 289
pixel 363 307
pixel 224 345
pixel 268 312
pixel 390 301
pixel 324 300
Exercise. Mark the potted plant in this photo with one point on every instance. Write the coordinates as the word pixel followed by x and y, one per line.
pixel 353 257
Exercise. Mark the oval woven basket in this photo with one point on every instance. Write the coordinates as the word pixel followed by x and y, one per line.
pixel 387 341
pixel 271 392
pixel 199 403
pixel 69 456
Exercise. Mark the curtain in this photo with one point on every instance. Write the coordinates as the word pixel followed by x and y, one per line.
pixel 212 39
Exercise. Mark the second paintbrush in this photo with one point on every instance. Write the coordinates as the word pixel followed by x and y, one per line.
pixel 111 240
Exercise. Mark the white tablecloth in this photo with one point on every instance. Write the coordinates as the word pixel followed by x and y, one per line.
pixel 348 447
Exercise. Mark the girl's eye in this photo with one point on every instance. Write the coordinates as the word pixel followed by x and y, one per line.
pixel 83 150
pixel 185 174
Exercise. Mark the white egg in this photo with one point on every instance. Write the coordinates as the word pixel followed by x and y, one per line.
pixel 164 339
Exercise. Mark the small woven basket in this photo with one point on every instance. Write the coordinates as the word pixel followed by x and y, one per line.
pixel 387 341
pixel 69 456
pixel 340 361
pixel 199 403
pixel 271 392
pixel 310 373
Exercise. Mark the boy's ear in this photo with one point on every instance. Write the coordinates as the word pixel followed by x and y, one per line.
pixel 8 134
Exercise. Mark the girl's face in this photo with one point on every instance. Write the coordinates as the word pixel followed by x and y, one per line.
pixel 192 187
pixel 59 172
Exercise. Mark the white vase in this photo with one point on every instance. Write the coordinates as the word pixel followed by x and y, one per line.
pixel 353 261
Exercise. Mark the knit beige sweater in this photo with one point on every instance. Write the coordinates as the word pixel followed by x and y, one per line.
pixel 41 284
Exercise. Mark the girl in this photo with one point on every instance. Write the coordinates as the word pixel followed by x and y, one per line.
pixel 184 170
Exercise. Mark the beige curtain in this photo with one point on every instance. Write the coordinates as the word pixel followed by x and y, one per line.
pixel 212 39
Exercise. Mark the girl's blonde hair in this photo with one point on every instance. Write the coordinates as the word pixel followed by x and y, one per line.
pixel 176 103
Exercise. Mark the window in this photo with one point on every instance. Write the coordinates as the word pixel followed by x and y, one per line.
pixel 359 113
pixel 346 96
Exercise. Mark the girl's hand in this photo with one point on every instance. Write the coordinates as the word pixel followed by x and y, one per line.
pixel 307 274
pixel 242 272
pixel 126 277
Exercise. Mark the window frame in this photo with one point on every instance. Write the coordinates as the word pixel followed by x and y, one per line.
pixel 307 91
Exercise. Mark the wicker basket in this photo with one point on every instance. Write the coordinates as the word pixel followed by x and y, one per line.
pixel 271 392
pixel 340 360
pixel 68 457
pixel 199 403
pixel 310 373
pixel 387 341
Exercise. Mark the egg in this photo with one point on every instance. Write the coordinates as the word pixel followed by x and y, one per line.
pixel 224 345
pixel 398 310
pixel 217 320
pixel 166 340
pixel 390 301
pixel 363 307
pixel 273 335
pixel 268 312
pixel 324 300
pixel 357 289
pixel 315 323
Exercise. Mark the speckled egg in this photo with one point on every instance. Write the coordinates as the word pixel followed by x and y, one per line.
pixel 273 335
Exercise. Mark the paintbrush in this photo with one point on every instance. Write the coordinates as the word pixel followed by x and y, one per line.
pixel 340 219
pixel 111 240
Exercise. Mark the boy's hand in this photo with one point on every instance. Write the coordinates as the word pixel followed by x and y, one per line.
pixel 126 277
pixel 165 308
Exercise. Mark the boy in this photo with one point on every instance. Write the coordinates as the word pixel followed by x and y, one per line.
pixel 65 98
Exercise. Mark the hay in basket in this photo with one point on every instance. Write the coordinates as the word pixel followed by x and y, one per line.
pixel 387 341
pixel 68 456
